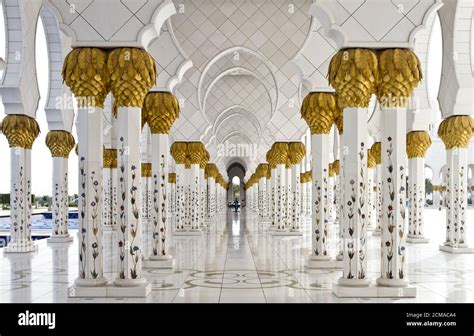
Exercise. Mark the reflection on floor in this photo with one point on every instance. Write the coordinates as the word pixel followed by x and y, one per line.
pixel 238 261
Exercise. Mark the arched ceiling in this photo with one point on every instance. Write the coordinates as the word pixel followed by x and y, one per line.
pixel 242 55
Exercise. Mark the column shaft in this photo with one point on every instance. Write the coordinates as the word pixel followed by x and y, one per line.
pixel 354 210
pixel 394 160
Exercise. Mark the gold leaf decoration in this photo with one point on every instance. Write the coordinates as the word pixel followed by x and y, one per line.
pixel 336 167
pixel 172 178
pixel 319 110
pixel 418 143
pixel 297 151
pixel 262 170
pixel 110 158
pixel 456 131
pixel 85 73
pixel 376 151
pixel 371 163
pixel 353 74
pixel 280 153
pixel 132 72
pixel 211 170
pixel 160 110
pixel 60 143
pixel 399 74
pixel 195 152
pixel 178 152
pixel 20 130
pixel 205 159
pixel 146 169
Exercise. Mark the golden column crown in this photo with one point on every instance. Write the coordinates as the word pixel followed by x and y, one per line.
pixel 371 163
pixel 60 143
pixel 172 178
pixel 376 151
pixel 211 170
pixel 456 131
pixel 399 74
pixel 132 72
pixel 331 171
pixel 336 167
pixel 280 153
pixel 339 117
pixel 418 143
pixel 20 130
pixel 178 152
pixel 302 177
pixel 109 157
pixel 160 110
pixel 353 74
pixel 297 151
pixel 85 73
pixel 309 175
pixel 76 149
pixel 319 110
pixel 195 152
pixel 269 172
pixel 205 159
pixel 262 170
pixel 270 159
pixel 146 169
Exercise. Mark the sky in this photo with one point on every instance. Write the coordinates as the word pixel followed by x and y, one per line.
pixel 41 156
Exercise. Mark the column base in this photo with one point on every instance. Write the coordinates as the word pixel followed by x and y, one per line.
pixel 109 291
pixel 264 220
pixel 460 249
pixel 417 240
pixel 271 227
pixel 376 232
pixel 373 291
pixel 340 257
pixel 160 262
pixel 109 227
pixel 20 248
pixel 60 239
pixel 280 232
pixel 317 262
pixel 188 232
pixel 397 283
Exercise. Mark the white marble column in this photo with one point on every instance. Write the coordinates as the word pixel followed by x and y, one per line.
pixel 371 214
pixel 320 154
pixel 394 163
pixel 60 213
pixel 60 143
pixel 418 143
pixel 172 198
pixel 354 191
pixel 129 199
pixel 279 197
pixel 146 209
pixel 376 150
pixel 20 131
pixel 331 194
pixel 20 202
pixel 297 152
pixel 159 257
pixel 106 193
pixel 180 197
pixel 456 201
pixel 296 206
pixel 89 134
pixel 262 196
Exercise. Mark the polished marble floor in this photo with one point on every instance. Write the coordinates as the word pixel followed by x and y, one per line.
pixel 239 261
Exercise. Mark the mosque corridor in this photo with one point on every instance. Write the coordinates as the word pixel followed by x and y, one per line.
pixel 239 261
